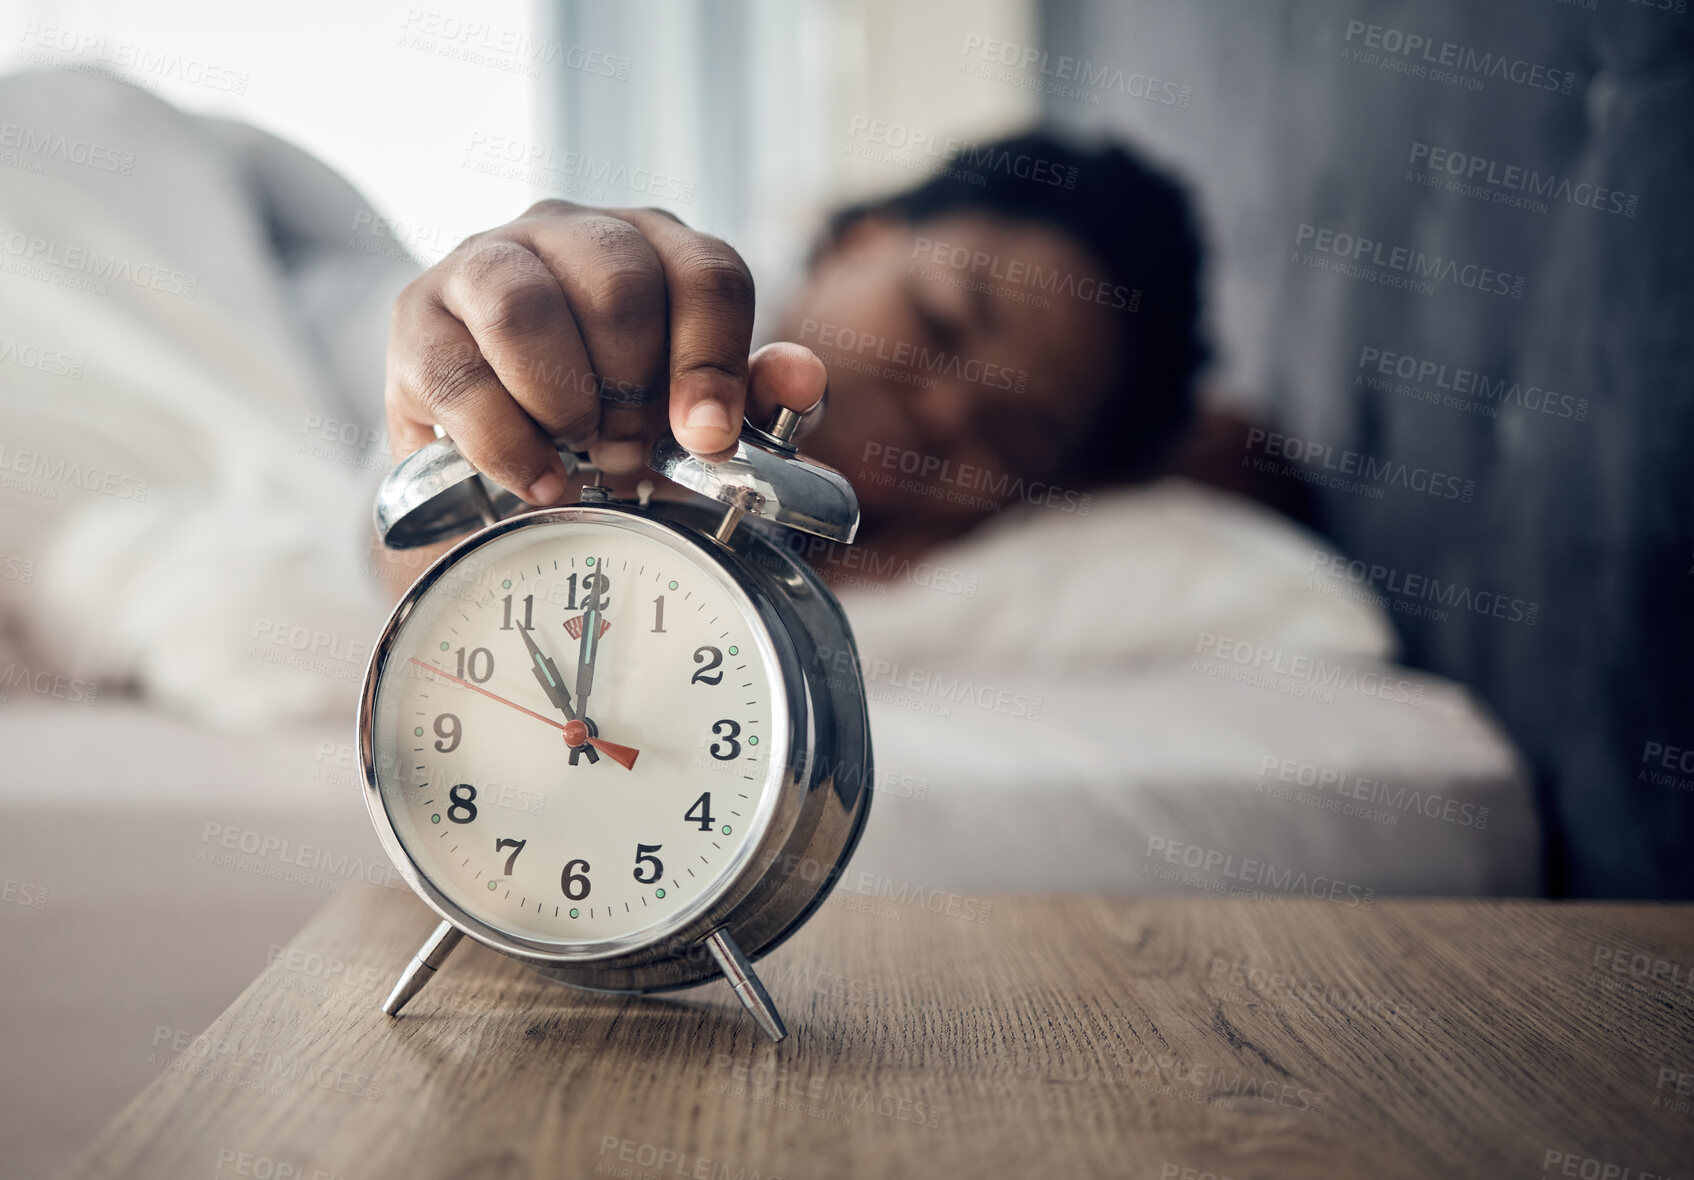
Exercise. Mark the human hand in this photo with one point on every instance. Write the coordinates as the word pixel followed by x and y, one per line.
pixel 592 326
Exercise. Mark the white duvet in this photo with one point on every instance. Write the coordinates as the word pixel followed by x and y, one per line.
pixel 1160 694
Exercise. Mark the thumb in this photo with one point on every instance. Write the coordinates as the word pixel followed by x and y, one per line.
pixel 788 375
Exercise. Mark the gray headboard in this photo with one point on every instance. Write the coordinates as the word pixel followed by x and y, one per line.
pixel 1452 241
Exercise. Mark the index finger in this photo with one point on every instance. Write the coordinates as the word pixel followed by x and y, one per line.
pixel 710 292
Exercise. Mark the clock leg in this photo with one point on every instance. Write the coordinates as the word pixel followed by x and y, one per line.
pixel 745 984
pixel 423 966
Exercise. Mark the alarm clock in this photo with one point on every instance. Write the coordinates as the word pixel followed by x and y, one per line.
pixel 619 740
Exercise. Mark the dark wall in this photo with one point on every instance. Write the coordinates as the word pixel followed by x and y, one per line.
pixel 1579 521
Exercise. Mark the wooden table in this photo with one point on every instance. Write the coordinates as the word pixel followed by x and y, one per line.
pixel 1176 1039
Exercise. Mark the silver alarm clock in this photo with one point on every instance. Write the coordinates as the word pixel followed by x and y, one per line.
pixel 616 740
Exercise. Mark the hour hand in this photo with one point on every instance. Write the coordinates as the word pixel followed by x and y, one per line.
pixel 547 675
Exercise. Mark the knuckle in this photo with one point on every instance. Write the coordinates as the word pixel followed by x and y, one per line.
pixel 717 272
pixel 655 211
pixel 462 247
pixel 492 261
pixel 445 375
pixel 510 460
pixel 576 419
pixel 552 207
pixel 627 294
pixel 522 308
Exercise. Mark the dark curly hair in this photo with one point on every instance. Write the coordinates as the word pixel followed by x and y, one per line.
pixel 1139 224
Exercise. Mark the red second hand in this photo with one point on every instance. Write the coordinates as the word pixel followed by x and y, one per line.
pixel 624 756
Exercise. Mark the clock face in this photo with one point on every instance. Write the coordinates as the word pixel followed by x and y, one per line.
pixel 580 732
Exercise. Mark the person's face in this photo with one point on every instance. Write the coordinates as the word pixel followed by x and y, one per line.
pixel 940 393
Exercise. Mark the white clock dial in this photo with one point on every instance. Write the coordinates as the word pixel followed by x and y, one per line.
pixel 646 657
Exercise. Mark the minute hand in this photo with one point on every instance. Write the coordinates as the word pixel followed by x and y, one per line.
pixel 589 646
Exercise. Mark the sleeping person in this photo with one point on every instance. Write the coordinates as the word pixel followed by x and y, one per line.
pixel 1011 355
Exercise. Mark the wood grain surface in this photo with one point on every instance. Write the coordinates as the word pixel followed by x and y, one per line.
pixel 1052 1037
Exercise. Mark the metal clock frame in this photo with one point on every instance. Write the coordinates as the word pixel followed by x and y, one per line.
pixel 811 818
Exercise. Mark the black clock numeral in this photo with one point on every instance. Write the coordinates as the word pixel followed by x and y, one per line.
pixel 596 588
pixel 571 582
pixel 528 613
pixel 712 658
pixel 644 856
pixel 516 846
pixel 478 667
pixel 464 799
pixel 447 730
pixel 575 884
pixel 701 812
pixel 729 731
pixel 659 615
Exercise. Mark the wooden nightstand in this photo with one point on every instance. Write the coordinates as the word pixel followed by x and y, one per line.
pixel 1053 1037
